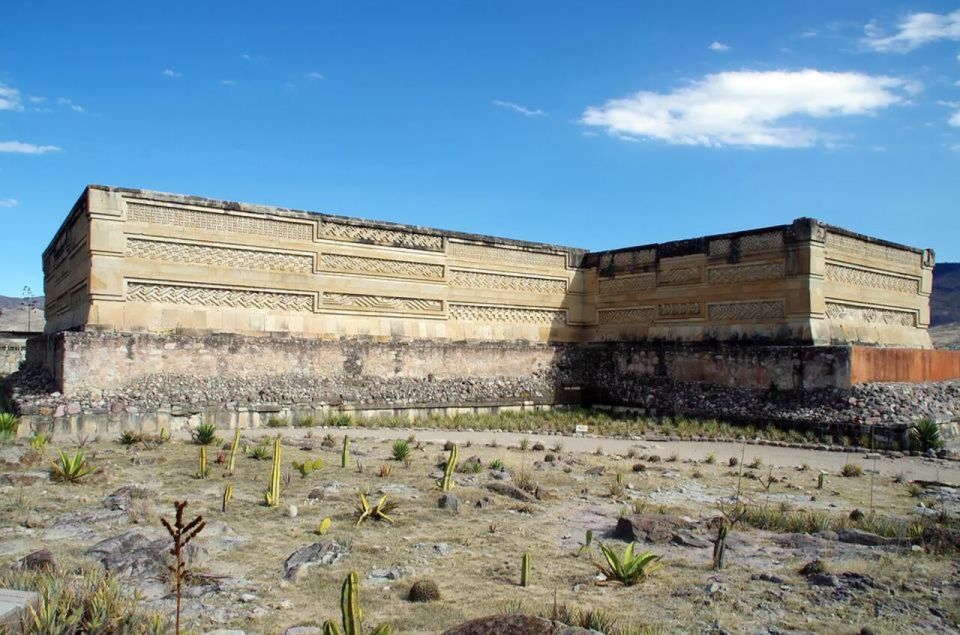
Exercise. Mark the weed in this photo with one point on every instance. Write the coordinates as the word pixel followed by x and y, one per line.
pixel 400 450
pixel 524 444
pixel 182 534
pixel 306 421
pixel 914 490
pixel 851 470
pixel 496 464
pixel 259 453
pixel 756 463
pixel 711 459
pixel 129 437
pixel 9 423
pixel 384 470
pixel 39 442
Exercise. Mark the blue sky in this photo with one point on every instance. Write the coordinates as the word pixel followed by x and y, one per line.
pixel 595 125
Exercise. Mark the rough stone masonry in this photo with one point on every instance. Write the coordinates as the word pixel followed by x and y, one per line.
pixel 162 305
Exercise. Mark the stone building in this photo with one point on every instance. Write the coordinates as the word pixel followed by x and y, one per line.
pixel 146 286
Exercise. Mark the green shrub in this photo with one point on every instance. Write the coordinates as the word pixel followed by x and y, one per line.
pixel 851 470
pixel 401 450
pixel 129 437
pixel 205 434
pixel 306 421
pixel 340 420
pixel 71 469
pixel 629 568
pixel 259 453
pixel 925 435
pixel 495 464
pixel 9 423
pixel 276 421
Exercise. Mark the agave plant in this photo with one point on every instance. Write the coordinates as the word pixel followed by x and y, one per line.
pixel 925 435
pixel 379 511
pixel 9 423
pixel 401 450
pixel 205 434
pixel 259 453
pixel 129 437
pixel 71 469
pixel 630 568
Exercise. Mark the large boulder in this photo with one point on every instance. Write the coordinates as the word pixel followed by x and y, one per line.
pixel 653 528
pixel 323 553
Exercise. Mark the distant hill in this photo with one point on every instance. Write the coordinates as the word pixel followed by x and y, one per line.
pixel 945 305
pixel 13 315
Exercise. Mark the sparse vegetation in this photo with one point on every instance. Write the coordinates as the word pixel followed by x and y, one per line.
pixel 9 423
pixel 259 453
pixel 71 468
pixel 629 568
pixel 380 511
pixel 205 434
pixel 925 435
pixel 307 467
pixel 401 450
pixel 276 421
pixel 851 470
pixel 129 437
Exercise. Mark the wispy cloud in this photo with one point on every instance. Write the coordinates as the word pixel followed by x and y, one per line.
pixel 36 99
pixel 68 103
pixel 249 57
pixel 9 98
pixel 523 110
pixel 746 108
pixel 228 82
pixel 19 147
pixel 913 31
pixel 8 202
pixel 314 75
pixel 955 120
pixel 719 47
pixel 169 72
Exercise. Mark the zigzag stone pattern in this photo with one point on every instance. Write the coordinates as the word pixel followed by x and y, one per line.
pixel 863 314
pixel 211 296
pixel 677 309
pixel 481 280
pixel 218 222
pixel 627 284
pixel 634 315
pixel 871 279
pixel 505 314
pixel 679 275
pixel 404 268
pixel 857 247
pixel 756 310
pixel 746 273
pixel 747 243
pixel 380 236
pixel 484 253
pixel 382 302
pixel 218 256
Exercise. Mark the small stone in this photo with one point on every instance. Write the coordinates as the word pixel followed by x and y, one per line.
pixel 292 511
pixel 449 502
pixel 41 559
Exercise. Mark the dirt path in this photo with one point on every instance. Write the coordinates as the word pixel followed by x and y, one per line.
pixel 912 468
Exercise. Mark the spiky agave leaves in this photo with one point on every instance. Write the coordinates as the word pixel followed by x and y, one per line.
pixel 630 568
pixel 377 512
pixel 71 469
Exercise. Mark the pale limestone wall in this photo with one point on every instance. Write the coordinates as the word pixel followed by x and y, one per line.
pixel 131 261
pixel 869 291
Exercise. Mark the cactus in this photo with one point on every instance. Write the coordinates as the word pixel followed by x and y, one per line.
pixel 351 616
pixel 720 546
pixel 446 483
pixel 525 570
pixel 820 480
pixel 586 544
pixel 231 463
pixel 307 467
pixel 272 496
pixel 164 436
pixel 203 469
pixel 345 453
pixel 620 479
pixel 324 526
pixel 227 496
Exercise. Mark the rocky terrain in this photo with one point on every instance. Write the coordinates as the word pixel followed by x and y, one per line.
pixel 883 539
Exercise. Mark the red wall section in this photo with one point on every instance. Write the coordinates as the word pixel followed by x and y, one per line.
pixel 902 364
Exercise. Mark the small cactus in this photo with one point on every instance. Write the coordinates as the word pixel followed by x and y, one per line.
pixel 227 496
pixel 587 543
pixel 234 447
pixel 351 616
pixel 820 480
pixel 720 546
pixel 345 453
pixel 446 483
pixel 272 496
pixel 525 570
pixel 324 526
pixel 203 469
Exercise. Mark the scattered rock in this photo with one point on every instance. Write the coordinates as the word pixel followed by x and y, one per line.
pixel 321 553
pixel 449 502
pixel 38 560
pixel 515 625
pixel 686 539
pixel 395 572
pixel 23 478
pixel 506 489
pixel 655 528
pixel 825 579
pixel 18 456
pixel 303 630
pixel 861 537
pixel 398 490
pixel 124 498
pixel 292 511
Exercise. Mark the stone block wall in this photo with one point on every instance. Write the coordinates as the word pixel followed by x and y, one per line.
pixel 12 353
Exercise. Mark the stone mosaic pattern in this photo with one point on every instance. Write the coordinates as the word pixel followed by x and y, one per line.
pixel 380 236
pixel 746 273
pixel 218 222
pixel 227 257
pixel 373 266
pixel 382 302
pixel 482 280
pixel 755 310
pixel 486 313
pixel 748 243
pixel 863 314
pixel 209 296
pixel 634 315
pixel 627 284
pixel 871 279
pixel 842 244
pixel 505 255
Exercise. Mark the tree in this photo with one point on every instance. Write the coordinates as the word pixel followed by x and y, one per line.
pixel 29 303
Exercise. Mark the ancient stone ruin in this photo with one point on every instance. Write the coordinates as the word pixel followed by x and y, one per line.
pixel 161 308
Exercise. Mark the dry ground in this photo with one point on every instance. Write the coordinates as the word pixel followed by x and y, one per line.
pixel 474 555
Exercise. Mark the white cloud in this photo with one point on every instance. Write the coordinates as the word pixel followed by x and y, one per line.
pixel 248 57
pixel 19 147
pixel 169 72
pixel 746 108
pixel 523 110
pixel 315 75
pixel 9 202
pixel 9 98
pixel 955 120
pixel 955 147
pixel 36 99
pixel 68 103
pixel 228 82
pixel 719 47
pixel 915 30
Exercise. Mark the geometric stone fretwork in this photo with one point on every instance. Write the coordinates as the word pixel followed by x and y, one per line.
pixel 747 243
pixel 386 303
pixel 745 273
pixel 212 296
pixel 632 258
pixel 862 314
pixel 628 284
pixel 751 310
pixel 506 314
pixel 679 309
pixel 494 255
pixel 480 280
pixel 404 268
pixel 679 275
pixel 226 257
pixel 841 243
pixel 380 236
pixel 871 279
pixel 218 222
pixel 633 315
